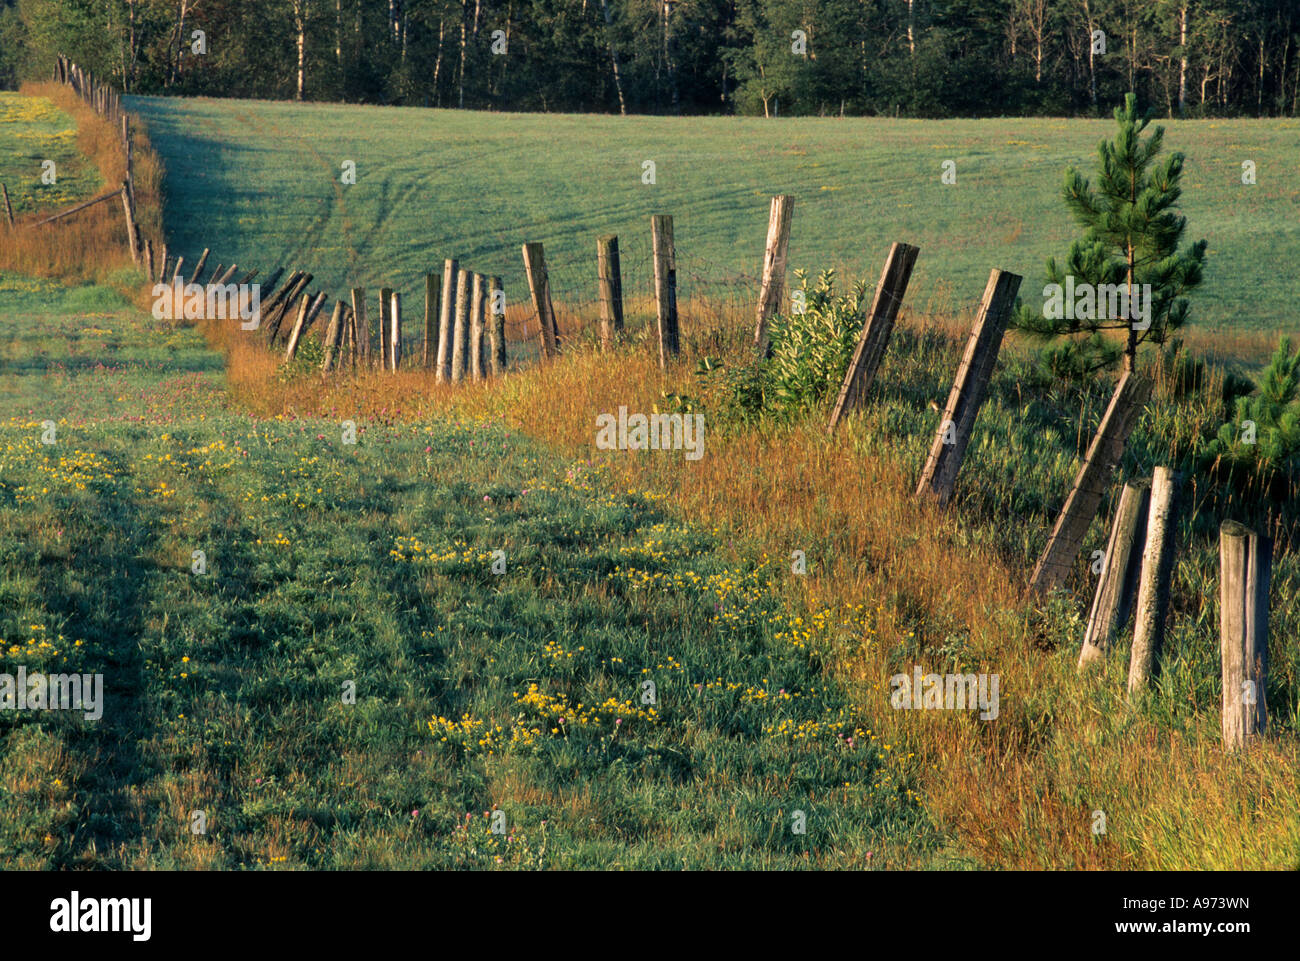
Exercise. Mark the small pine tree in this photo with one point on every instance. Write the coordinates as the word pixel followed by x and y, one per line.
pixel 1262 444
pixel 1132 232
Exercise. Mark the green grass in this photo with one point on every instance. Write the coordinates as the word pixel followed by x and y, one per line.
pixel 331 567
pixel 34 131
pixel 259 183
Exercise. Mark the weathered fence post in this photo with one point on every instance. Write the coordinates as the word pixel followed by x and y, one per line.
pixel 162 264
pixel 1117 583
pixel 609 285
pixel 875 332
pixel 447 318
pixel 333 336
pixel 539 285
pixel 939 477
pixel 224 277
pixel 497 296
pixel 432 289
pixel 148 260
pixel 395 334
pixel 476 314
pixel 203 259
pixel 9 210
pixel 132 234
pixel 177 277
pixel 385 322
pixel 775 257
pixel 1245 569
pixel 1153 588
pixel 303 306
pixel 1090 483
pixel 361 325
pixel 664 249
pixel 460 333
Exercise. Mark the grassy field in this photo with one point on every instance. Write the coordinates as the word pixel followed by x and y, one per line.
pixel 259 182
pixel 329 566
pixel 34 130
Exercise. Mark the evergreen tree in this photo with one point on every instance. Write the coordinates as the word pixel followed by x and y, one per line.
pixel 1132 236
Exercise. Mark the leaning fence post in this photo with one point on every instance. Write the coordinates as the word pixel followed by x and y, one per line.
pixel 540 287
pixel 333 336
pixel 460 333
pixel 609 284
pixel 1153 588
pixel 498 328
pixel 432 289
pixel 1120 568
pixel 1104 453
pixel 203 259
pixel 939 477
pixel 132 235
pixel 775 256
pixel 148 260
pixel 665 262
pixel 1245 569
pixel 875 332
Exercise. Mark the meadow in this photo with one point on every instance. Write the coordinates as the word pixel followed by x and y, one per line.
pixel 261 183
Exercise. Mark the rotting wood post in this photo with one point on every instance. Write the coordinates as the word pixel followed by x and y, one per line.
pixel 1153 587
pixel 664 250
pixel 148 260
pixel 447 319
pixel 361 326
pixel 432 296
pixel 479 293
pixel 498 328
pixel 177 277
pixel 303 306
pixel 539 285
pixel 224 278
pixel 1120 568
pixel 286 304
pixel 350 338
pixel 162 264
pixel 1104 453
pixel 132 234
pixel 609 284
pixel 198 271
pixel 876 332
pixel 395 331
pixel 775 258
pixel 1245 570
pixel 939 477
pixel 333 335
pixel 460 332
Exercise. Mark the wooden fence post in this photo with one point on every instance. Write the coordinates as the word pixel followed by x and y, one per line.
pixel 224 277
pixel 132 234
pixel 385 322
pixel 460 333
pixel 350 337
pixel 9 210
pixel 177 277
pixel 664 249
pixel 1245 569
pixel 395 334
pixel 291 295
pixel 162 264
pixel 1117 583
pixel 498 329
pixel 361 326
pixel 609 286
pixel 540 286
pixel 432 290
pixel 333 335
pixel 939 477
pixel 447 318
pixel 475 362
pixel 875 332
pixel 1099 463
pixel 148 260
pixel 1153 588
pixel 303 306
pixel 775 257
pixel 203 259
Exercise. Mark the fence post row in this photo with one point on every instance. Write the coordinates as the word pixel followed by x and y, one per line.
pixel 874 339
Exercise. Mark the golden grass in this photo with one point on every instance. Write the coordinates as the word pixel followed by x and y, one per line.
pixel 1019 793
pixel 91 245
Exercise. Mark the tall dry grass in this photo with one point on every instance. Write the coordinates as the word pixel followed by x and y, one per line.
pixel 90 246
pixel 1019 793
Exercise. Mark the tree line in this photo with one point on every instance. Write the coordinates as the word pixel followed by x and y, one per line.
pixel 927 58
